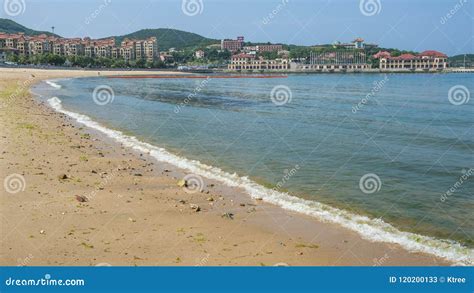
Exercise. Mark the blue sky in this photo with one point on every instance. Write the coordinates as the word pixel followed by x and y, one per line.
pixel 406 24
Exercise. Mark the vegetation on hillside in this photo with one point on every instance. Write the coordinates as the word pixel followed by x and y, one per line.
pixel 10 27
pixel 170 38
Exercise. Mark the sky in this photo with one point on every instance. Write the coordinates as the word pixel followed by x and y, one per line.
pixel 418 25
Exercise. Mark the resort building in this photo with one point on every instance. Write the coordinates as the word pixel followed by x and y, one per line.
pixel 357 44
pixel 105 48
pixel 199 54
pixel 268 48
pixel 251 62
pixel 425 61
pixel 232 45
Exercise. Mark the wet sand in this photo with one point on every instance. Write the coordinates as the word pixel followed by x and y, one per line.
pixel 135 213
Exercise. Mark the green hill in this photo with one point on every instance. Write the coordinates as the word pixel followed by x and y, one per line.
pixel 461 60
pixel 10 27
pixel 170 38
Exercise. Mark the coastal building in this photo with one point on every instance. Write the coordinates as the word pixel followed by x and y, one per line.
pixel 164 57
pixel 105 48
pixel 268 48
pixel 425 61
pixel 357 44
pixel 199 54
pixel 251 62
pixel 232 45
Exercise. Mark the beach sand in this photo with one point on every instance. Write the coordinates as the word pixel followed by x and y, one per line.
pixel 136 213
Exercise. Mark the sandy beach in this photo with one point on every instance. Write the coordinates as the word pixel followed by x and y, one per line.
pixel 135 214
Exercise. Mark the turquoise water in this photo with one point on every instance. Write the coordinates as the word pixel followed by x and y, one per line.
pixel 317 146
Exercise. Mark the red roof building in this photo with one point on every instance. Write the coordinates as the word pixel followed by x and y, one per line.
pixel 425 61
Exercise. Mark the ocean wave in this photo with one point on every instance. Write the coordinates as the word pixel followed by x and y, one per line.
pixel 374 230
pixel 53 84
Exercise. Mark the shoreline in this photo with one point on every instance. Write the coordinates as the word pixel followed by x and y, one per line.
pixel 335 241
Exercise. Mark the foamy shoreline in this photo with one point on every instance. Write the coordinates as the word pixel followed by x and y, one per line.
pixel 371 229
pixel 326 254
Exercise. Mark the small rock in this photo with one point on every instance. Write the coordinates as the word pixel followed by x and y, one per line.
pixel 62 176
pixel 137 174
pixel 42 232
pixel 195 207
pixel 94 172
pixel 132 220
pixel 81 198
pixel 210 199
pixel 229 216
pixel 182 183
pixel 182 201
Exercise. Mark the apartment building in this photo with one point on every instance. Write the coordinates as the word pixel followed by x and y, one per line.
pixel 105 48
pixel 232 45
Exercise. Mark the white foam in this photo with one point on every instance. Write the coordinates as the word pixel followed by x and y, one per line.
pixel 53 84
pixel 370 229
